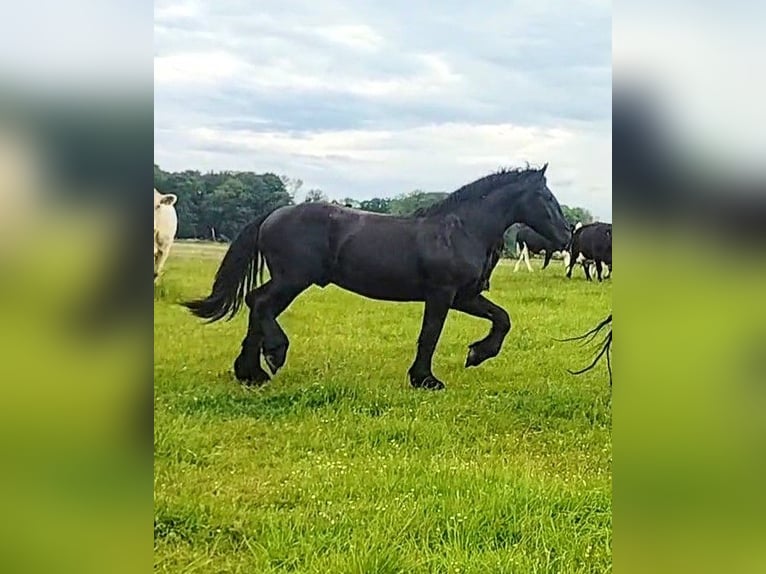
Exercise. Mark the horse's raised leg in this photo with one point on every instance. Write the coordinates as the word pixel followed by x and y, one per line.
pixel 490 345
pixel 247 365
pixel 436 308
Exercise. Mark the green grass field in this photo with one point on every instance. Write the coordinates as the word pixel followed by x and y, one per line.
pixel 338 466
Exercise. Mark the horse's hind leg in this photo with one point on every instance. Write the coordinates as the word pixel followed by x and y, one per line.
pixel 247 366
pixel 599 269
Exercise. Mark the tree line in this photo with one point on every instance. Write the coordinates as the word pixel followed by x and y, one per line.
pixel 216 205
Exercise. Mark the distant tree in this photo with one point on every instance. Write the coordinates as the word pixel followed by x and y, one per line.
pixel 292 185
pixel 577 214
pixel 350 202
pixel 313 195
pixel 220 201
pixel 408 203
pixel 376 205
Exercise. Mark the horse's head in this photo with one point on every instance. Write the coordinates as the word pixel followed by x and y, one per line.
pixel 539 208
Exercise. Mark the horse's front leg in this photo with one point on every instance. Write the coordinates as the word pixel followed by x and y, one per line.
pixel 489 346
pixel 436 308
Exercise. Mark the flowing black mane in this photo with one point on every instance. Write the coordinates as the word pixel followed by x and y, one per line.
pixel 476 190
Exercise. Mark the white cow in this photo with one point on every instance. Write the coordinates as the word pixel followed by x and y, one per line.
pixel 165 226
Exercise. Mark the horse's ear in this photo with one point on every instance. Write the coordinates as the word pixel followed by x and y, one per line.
pixel 542 171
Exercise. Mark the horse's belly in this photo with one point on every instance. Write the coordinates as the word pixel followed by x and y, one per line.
pixel 389 272
pixel 382 288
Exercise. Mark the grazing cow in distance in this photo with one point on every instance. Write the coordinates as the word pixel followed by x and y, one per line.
pixel 567 254
pixel 589 263
pixel 591 242
pixel 528 240
pixel 165 226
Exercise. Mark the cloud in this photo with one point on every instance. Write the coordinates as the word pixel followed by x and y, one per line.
pixel 197 68
pixel 467 144
pixel 357 36
pixel 358 97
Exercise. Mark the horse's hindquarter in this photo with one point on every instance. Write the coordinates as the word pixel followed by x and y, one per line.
pixel 319 243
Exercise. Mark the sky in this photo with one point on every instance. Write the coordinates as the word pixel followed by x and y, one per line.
pixel 365 98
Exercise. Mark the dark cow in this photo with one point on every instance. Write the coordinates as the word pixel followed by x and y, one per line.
pixel 529 241
pixel 591 242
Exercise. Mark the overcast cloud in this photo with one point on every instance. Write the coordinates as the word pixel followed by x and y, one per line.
pixel 366 98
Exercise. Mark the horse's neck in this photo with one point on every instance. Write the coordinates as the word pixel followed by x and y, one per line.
pixel 486 220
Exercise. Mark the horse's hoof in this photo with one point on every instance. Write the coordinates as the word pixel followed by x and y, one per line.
pixel 257 382
pixel 473 358
pixel 273 362
pixel 249 373
pixel 275 358
pixel 429 383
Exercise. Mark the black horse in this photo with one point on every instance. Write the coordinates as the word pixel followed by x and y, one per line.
pixel 442 255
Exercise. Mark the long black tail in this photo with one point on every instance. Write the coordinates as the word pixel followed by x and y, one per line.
pixel 606 346
pixel 235 276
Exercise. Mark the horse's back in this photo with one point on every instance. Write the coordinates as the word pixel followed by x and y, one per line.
pixel 376 255
pixel 325 243
pixel 293 240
